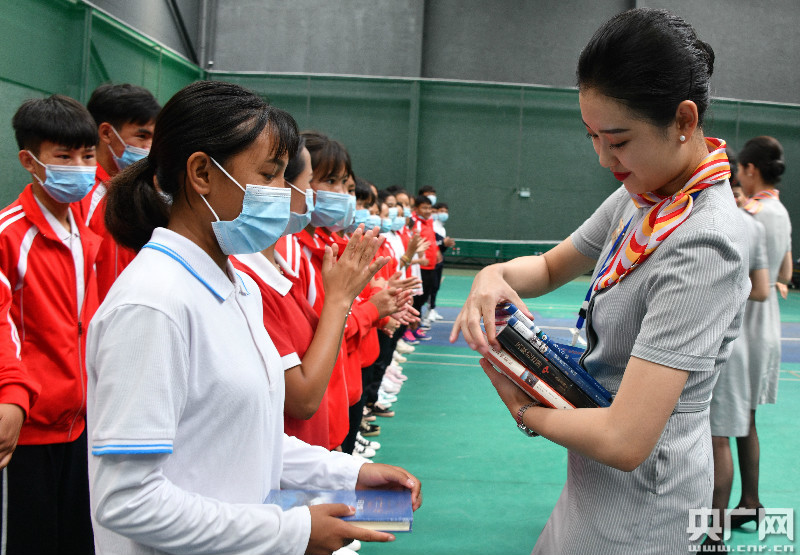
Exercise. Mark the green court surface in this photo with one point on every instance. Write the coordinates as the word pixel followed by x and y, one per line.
pixel 487 488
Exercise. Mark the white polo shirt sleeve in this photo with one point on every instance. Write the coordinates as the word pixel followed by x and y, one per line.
pixel 138 406
pixel 312 467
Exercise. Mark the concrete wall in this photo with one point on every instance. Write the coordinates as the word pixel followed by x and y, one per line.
pixel 349 37
pixel 511 41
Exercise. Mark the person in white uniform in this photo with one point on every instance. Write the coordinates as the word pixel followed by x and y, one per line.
pixel 185 387
pixel 668 290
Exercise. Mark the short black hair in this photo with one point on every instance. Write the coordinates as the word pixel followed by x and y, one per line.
pixel 427 189
pixel 327 155
pixel 58 119
pixel 364 192
pixel 121 104
pixel 296 163
pixel 439 205
pixel 422 199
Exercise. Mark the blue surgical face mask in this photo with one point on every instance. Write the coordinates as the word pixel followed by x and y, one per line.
pixel 442 216
pixel 298 222
pixel 360 217
pixel 432 198
pixel 265 213
pixel 334 211
pixel 386 225
pixel 373 220
pixel 392 213
pixel 398 222
pixel 130 155
pixel 66 183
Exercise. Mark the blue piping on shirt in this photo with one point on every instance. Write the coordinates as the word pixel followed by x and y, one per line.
pixel 174 255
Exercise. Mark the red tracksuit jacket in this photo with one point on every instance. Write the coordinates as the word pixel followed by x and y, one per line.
pixel 43 331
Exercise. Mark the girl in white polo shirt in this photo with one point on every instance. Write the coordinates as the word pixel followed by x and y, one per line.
pixel 185 386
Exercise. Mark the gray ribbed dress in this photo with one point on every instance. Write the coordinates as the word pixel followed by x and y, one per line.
pixel 730 406
pixel 681 308
pixel 763 325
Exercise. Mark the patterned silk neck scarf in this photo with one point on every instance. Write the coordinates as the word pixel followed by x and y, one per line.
pixel 664 216
pixel 633 246
pixel 754 205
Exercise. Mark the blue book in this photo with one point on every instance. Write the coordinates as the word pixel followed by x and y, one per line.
pixel 563 361
pixel 382 510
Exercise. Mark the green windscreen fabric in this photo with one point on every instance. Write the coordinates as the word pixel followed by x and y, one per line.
pixel 64 47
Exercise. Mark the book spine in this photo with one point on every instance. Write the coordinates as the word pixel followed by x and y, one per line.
pixel 557 361
pixel 575 365
pixel 527 381
pixel 523 351
pixel 588 379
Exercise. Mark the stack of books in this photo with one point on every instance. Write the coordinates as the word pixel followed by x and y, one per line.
pixel 541 367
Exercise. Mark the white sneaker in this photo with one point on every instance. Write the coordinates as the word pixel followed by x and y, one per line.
pixel 363 450
pixel 355 545
pixel 390 386
pixel 391 377
pixel 395 377
pixel 386 398
pixel 404 348
pixel 433 315
pixel 425 323
pixel 364 441
pixel 398 358
pixel 397 372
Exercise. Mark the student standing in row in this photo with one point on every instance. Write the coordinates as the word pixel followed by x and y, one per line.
pixel 125 116
pixel 186 388
pixel 49 294
pixel 662 310
pixel 309 346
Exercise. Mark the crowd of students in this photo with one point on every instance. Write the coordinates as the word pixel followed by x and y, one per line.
pixel 343 271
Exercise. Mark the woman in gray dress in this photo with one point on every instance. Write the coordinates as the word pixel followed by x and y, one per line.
pixel 669 286
pixel 761 164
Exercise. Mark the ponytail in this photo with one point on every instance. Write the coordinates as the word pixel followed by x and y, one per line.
pixel 134 206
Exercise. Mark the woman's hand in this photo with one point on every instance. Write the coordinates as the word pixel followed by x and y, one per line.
pixel 347 276
pixel 384 476
pixel 488 290
pixel 329 532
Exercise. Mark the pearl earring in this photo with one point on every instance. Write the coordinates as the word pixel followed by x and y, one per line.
pixel 682 138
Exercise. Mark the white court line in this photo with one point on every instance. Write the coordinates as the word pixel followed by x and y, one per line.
pixel 443 355
pixel 441 363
